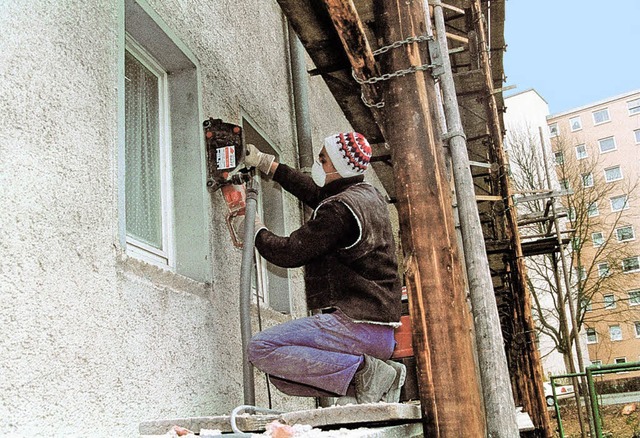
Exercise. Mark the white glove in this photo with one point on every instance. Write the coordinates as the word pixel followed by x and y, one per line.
pixel 257 159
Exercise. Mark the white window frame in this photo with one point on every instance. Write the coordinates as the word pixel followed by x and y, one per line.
pixel 614 199
pixel 553 130
pixel 634 297
pixel 606 177
pixel 636 134
pixel 571 123
pixel 603 272
pixel 633 106
pixel 613 140
pixel 620 360
pixel 579 155
pixel 597 241
pixel 164 257
pixel 601 110
pixel 628 271
pixel 633 233
pixel 593 210
pixel 596 362
pixel 609 304
pixel 559 157
pixel 587 180
pixel 592 335
pixel 611 335
pixel 636 327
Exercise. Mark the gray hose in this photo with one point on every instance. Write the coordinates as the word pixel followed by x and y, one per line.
pixel 245 289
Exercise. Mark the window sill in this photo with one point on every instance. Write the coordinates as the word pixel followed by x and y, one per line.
pixel 140 271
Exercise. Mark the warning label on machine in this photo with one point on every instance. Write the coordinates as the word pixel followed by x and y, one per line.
pixel 226 157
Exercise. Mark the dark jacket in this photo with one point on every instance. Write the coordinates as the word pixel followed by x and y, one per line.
pixel 347 247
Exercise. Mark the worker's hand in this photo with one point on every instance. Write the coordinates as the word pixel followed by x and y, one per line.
pixel 257 159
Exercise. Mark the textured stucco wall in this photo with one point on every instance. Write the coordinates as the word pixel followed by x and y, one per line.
pixel 93 341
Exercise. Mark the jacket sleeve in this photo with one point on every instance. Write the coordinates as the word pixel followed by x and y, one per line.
pixel 333 227
pixel 298 184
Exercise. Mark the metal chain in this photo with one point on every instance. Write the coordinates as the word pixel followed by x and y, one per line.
pixel 409 40
pixel 387 76
pixel 377 105
pixel 395 74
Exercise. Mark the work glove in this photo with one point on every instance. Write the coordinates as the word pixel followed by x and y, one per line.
pixel 257 159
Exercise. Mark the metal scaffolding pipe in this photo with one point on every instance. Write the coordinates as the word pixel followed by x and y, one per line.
pixel 494 371
pixel 301 101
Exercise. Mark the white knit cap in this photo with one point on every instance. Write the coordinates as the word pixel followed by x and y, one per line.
pixel 350 153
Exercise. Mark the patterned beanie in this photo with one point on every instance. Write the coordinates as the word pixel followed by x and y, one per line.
pixel 350 153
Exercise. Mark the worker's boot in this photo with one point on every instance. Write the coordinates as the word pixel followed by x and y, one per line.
pixel 393 395
pixel 374 380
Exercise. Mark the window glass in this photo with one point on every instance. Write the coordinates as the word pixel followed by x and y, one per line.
pixel 619 203
pixel 575 123
pixel 553 130
pixel 607 144
pixel 597 238
pixel 592 336
pixel 592 209
pixel 609 301
pixel 631 264
pixel 633 106
pixel 634 297
pixel 637 328
pixel 612 173
pixel 559 157
pixel 600 116
pixel 636 134
pixel 587 179
pixel 146 200
pixel 619 359
pixel 272 282
pixel 625 233
pixel 615 332
pixel 581 151
pixel 603 269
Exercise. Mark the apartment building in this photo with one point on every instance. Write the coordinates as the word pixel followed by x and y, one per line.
pixel 597 156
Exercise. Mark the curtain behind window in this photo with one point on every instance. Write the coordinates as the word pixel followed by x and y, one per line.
pixel 143 189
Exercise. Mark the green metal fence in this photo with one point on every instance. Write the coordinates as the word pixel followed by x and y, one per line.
pixel 596 422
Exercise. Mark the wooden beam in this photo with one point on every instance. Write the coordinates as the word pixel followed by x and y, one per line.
pixel 351 32
pixel 442 328
pixel 527 378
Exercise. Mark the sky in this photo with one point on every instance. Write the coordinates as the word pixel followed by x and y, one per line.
pixel 572 52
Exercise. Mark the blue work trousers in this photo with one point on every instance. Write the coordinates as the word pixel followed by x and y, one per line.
pixel 318 356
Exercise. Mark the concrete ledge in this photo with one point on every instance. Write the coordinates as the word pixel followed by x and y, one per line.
pixel 249 423
pixel 334 417
pixel 354 414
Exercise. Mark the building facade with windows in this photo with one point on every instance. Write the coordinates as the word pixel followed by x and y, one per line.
pixel 119 280
pixel 601 143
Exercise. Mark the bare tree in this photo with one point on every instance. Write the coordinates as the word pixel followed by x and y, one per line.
pixel 594 253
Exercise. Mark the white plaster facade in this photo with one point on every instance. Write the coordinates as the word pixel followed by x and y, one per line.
pixel 526 112
pixel 94 341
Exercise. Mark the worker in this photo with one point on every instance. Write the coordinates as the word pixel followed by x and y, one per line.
pixel 352 284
